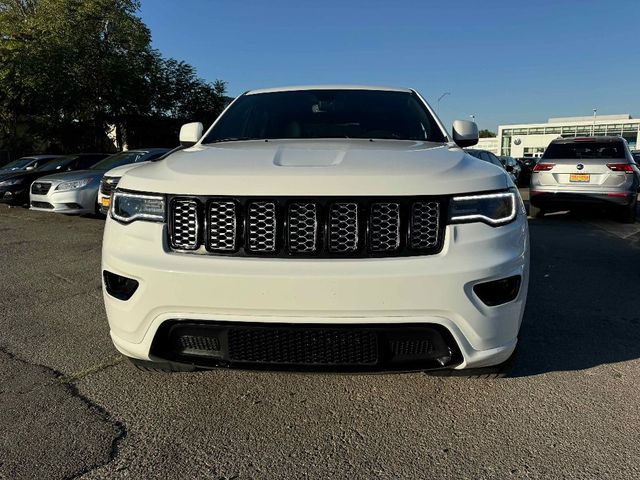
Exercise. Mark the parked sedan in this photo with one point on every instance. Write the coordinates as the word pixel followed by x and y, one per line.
pixel 14 186
pixel 586 171
pixel 491 158
pixel 26 163
pixel 77 192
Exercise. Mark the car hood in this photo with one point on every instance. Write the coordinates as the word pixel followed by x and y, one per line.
pixel 312 167
pixel 122 169
pixel 27 175
pixel 73 175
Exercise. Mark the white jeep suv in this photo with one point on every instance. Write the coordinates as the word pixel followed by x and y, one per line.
pixel 330 228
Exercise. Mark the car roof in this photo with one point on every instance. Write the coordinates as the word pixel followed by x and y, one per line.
pixel 38 157
pixel 295 88
pixel 600 139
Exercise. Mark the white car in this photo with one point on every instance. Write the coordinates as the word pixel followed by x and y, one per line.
pixel 109 182
pixel 334 228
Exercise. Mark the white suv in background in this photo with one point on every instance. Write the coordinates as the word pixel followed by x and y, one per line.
pixel 331 228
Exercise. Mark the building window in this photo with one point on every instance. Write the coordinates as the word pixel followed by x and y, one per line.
pixel 552 130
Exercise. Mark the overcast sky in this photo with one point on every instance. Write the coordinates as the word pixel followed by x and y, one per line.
pixel 504 62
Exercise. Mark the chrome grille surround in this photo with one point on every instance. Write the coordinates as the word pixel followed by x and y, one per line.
pixel 302 232
pixel 384 227
pixel 321 227
pixel 261 227
pixel 425 223
pixel 184 224
pixel 343 227
pixel 222 226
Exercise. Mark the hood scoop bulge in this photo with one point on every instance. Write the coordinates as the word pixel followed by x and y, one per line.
pixel 308 157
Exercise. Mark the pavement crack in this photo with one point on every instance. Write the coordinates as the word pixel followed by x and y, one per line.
pixel 63 278
pixel 68 382
pixel 79 375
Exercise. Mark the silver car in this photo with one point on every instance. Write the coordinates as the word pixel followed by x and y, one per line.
pixel 77 192
pixel 583 171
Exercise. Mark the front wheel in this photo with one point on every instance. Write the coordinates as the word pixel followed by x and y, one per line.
pixel 536 212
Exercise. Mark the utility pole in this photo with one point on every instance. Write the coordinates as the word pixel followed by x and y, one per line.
pixel 593 125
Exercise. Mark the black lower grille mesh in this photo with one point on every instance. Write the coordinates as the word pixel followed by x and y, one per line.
pixel 330 347
pixel 303 347
pixel 46 205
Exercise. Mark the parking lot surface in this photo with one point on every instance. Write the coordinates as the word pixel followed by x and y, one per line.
pixel 72 408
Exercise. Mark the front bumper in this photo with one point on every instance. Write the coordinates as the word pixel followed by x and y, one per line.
pixel 73 202
pixel 421 290
pixel 14 195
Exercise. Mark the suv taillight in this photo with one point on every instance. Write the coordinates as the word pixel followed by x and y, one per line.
pixel 620 167
pixel 543 167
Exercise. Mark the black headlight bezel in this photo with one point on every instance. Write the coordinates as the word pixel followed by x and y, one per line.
pixel 155 218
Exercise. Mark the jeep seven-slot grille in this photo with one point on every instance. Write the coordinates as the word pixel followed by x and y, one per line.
pixel 314 227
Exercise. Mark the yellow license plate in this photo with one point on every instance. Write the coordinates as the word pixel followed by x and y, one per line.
pixel 579 177
pixel 106 201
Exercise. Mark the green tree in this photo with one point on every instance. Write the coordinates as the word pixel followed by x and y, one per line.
pixel 484 133
pixel 71 70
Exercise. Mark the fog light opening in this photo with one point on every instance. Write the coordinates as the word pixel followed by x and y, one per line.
pixel 498 292
pixel 118 286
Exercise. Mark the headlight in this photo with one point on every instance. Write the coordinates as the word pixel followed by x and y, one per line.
pixel 127 207
pixel 73 184
pixel 15 181
pixel 491 208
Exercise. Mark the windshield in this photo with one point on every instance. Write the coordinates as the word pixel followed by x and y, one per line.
pixel 308 114
pixel 118 159
pixel 580 150
pixel 57 164
pixel 19 163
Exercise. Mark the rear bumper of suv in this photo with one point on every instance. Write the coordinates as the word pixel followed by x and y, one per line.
pixel 554 198
pixel 289 298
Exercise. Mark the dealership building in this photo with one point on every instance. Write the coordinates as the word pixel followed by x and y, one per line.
pixel 531 140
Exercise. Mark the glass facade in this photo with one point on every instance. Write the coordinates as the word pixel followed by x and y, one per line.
pixel 628 130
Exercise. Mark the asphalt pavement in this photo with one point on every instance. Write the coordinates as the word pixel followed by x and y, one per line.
pixel 70 407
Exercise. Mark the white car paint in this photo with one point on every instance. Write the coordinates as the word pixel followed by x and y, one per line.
pixel 435 289
pixel 115 174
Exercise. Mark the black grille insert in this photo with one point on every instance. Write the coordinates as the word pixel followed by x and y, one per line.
pixel 40 188
pixel 306 347
pixel 108 184
pixel 314 227
pixel 46 205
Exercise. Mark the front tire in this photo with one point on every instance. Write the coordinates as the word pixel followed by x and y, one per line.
pixel 536 212
pixel 629 213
